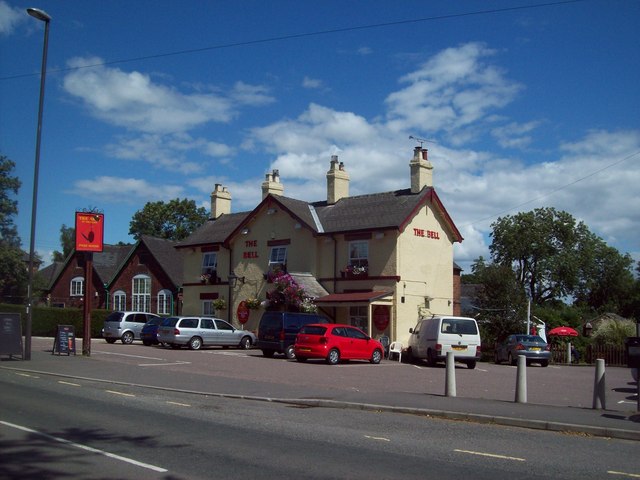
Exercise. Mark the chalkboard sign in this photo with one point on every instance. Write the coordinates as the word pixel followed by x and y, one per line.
pixel 10 334
pixel 65 341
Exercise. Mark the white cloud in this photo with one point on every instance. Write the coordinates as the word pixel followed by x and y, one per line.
pixel 514 135
pixel 124 190
pixel 132 100
pixel 10 18
pixel 312 83
pixel 251 95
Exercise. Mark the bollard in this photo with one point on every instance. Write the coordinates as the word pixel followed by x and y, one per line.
pixel 450 382
pixel 521 380
pixel 569 353
pixel 599 392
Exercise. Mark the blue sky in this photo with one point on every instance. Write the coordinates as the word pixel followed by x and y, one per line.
pixel 155 100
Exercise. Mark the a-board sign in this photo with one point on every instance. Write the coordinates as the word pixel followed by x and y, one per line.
pixel 10 334
pixel 65 341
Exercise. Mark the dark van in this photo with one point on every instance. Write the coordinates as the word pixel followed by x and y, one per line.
pixel 277 331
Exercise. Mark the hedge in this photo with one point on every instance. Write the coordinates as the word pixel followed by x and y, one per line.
pixel 44 320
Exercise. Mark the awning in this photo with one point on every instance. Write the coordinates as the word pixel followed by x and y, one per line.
pixel 353 298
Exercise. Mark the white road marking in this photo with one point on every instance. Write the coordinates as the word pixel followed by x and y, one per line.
pixel 128 355
pixel 630 475
pixel 377 438
pixel 492 455
pixel 120 393
pixel 27 375
pixel 87 448
pixel 179 404
pixel 162 364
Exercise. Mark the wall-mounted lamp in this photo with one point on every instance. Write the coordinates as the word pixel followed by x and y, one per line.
pixel 588 328
pixel 233 280
pixel 245 231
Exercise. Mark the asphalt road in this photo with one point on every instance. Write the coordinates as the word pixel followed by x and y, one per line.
pixel 52 427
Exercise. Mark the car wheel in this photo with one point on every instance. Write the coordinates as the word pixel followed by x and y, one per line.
pixel 245 343
pixel 376 357
pixel 110 340
pixel 290 352
pixel 301 359
pixel 146 343
pixel 512 361
pixel 334 357
pixel 267 353
pixel 127 338
pixel 431 358
pixel 471 364
pixel 195 343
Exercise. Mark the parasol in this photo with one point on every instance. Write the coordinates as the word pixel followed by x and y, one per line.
pixel 563 332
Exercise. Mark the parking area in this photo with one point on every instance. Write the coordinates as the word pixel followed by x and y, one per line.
pixel 248 372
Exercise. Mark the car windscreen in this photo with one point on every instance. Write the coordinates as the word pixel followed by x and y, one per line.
pixel 313 330
pixel 114 317
pixel 530 339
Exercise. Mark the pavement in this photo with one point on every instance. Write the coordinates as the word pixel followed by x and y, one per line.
pixel 295 384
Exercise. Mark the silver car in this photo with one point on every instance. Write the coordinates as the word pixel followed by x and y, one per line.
pixel 125 326
pixel 197 332
pixel 532 347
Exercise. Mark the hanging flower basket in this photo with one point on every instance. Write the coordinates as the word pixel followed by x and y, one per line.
pixel 220 304
pixel 253 303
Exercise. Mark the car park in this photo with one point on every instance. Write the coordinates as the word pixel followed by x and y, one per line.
pixel 277 331
pixel 198 332
pixel 125 326
pixel 532 347
pixel 149 332
pixel 336 342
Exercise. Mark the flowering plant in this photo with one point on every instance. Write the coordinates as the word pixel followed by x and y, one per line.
pixel 253 303
pixel 205 277
pixel 356 269
pixel 287 292
pixel 219 304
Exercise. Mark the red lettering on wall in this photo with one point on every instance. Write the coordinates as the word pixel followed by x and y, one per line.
pixel 251 243
pixel 418 232
pixel 250 255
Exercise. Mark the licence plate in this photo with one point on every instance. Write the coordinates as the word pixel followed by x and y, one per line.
pixel 304 349
pixel 535 349
pixel 459 347
pixel 269 337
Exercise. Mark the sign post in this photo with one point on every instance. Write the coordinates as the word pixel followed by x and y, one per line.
pixel 89 239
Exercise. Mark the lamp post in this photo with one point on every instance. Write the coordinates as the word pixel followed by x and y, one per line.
pixel 42 16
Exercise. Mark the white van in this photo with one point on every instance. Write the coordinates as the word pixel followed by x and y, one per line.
pixel 433 337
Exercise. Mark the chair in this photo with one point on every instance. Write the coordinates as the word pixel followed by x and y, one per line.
pixel 396 347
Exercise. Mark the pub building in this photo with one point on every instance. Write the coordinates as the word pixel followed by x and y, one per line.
pixel 377 261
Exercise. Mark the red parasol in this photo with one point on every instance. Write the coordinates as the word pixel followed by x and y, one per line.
pixel 563 332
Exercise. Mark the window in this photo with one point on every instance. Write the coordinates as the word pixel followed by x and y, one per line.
pixel 358 317
pixel 359 254
pixel 77 287
pixel 141 293
pixel 207 323
pixel 119 301
pixel 164 302
pixel 278 258
pixel 207 308
pixel 222 325
pixel 209 262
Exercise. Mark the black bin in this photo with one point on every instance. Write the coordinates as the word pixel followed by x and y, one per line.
pixel 632 345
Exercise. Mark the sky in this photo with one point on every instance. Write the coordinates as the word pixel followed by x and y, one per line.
pixel 523 103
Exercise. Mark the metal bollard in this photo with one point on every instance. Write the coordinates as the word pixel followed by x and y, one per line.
pixel 450 381
pixel 521 380
pixel 599 392
pixel 569 359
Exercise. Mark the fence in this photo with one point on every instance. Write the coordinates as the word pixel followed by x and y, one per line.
pixel 613 355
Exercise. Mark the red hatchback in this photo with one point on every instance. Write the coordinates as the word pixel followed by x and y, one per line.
pixel 335 342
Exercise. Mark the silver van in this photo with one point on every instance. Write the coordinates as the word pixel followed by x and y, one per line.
pixel 433 337
pixel 197 332
pixel 125 326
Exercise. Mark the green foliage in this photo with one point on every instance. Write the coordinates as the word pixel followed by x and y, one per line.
pixel 175 220
pixel 45 320
pixel 9 187
pixel 612 331
pixel 68 243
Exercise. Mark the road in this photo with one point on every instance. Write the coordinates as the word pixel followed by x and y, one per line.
pixel 52 427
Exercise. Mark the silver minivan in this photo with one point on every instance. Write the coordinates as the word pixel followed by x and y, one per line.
pixel 125 326
pixel 196 332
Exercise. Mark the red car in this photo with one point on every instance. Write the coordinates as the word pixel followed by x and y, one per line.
pixel 335 342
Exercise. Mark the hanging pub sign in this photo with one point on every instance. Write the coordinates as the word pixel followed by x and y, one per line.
pixel 89 232
pixel 243 312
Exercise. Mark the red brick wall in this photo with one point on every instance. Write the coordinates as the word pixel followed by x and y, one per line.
pixel 456 292
pixel 61 291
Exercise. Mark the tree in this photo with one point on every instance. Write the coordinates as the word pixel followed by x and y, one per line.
pixel 13 271
pixel 547 249
pixel 174 220
pixel 67 241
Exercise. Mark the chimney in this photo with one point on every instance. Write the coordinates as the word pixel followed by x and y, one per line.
pixel 272 185
pixel 220 201
pixel 421 170
pixel 337 181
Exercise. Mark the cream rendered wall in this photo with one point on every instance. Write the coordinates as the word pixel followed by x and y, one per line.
pixel 425 265
pixel 192 288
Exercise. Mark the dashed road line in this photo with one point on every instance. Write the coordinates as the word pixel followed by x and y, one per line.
pixel 69 383
pixel 382 439
pixel 120 393
pixel 624 474
pixel 179 404
pixel 491 455
pixel 162 364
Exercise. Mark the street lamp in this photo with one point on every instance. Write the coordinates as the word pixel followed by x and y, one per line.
pixel 43 16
